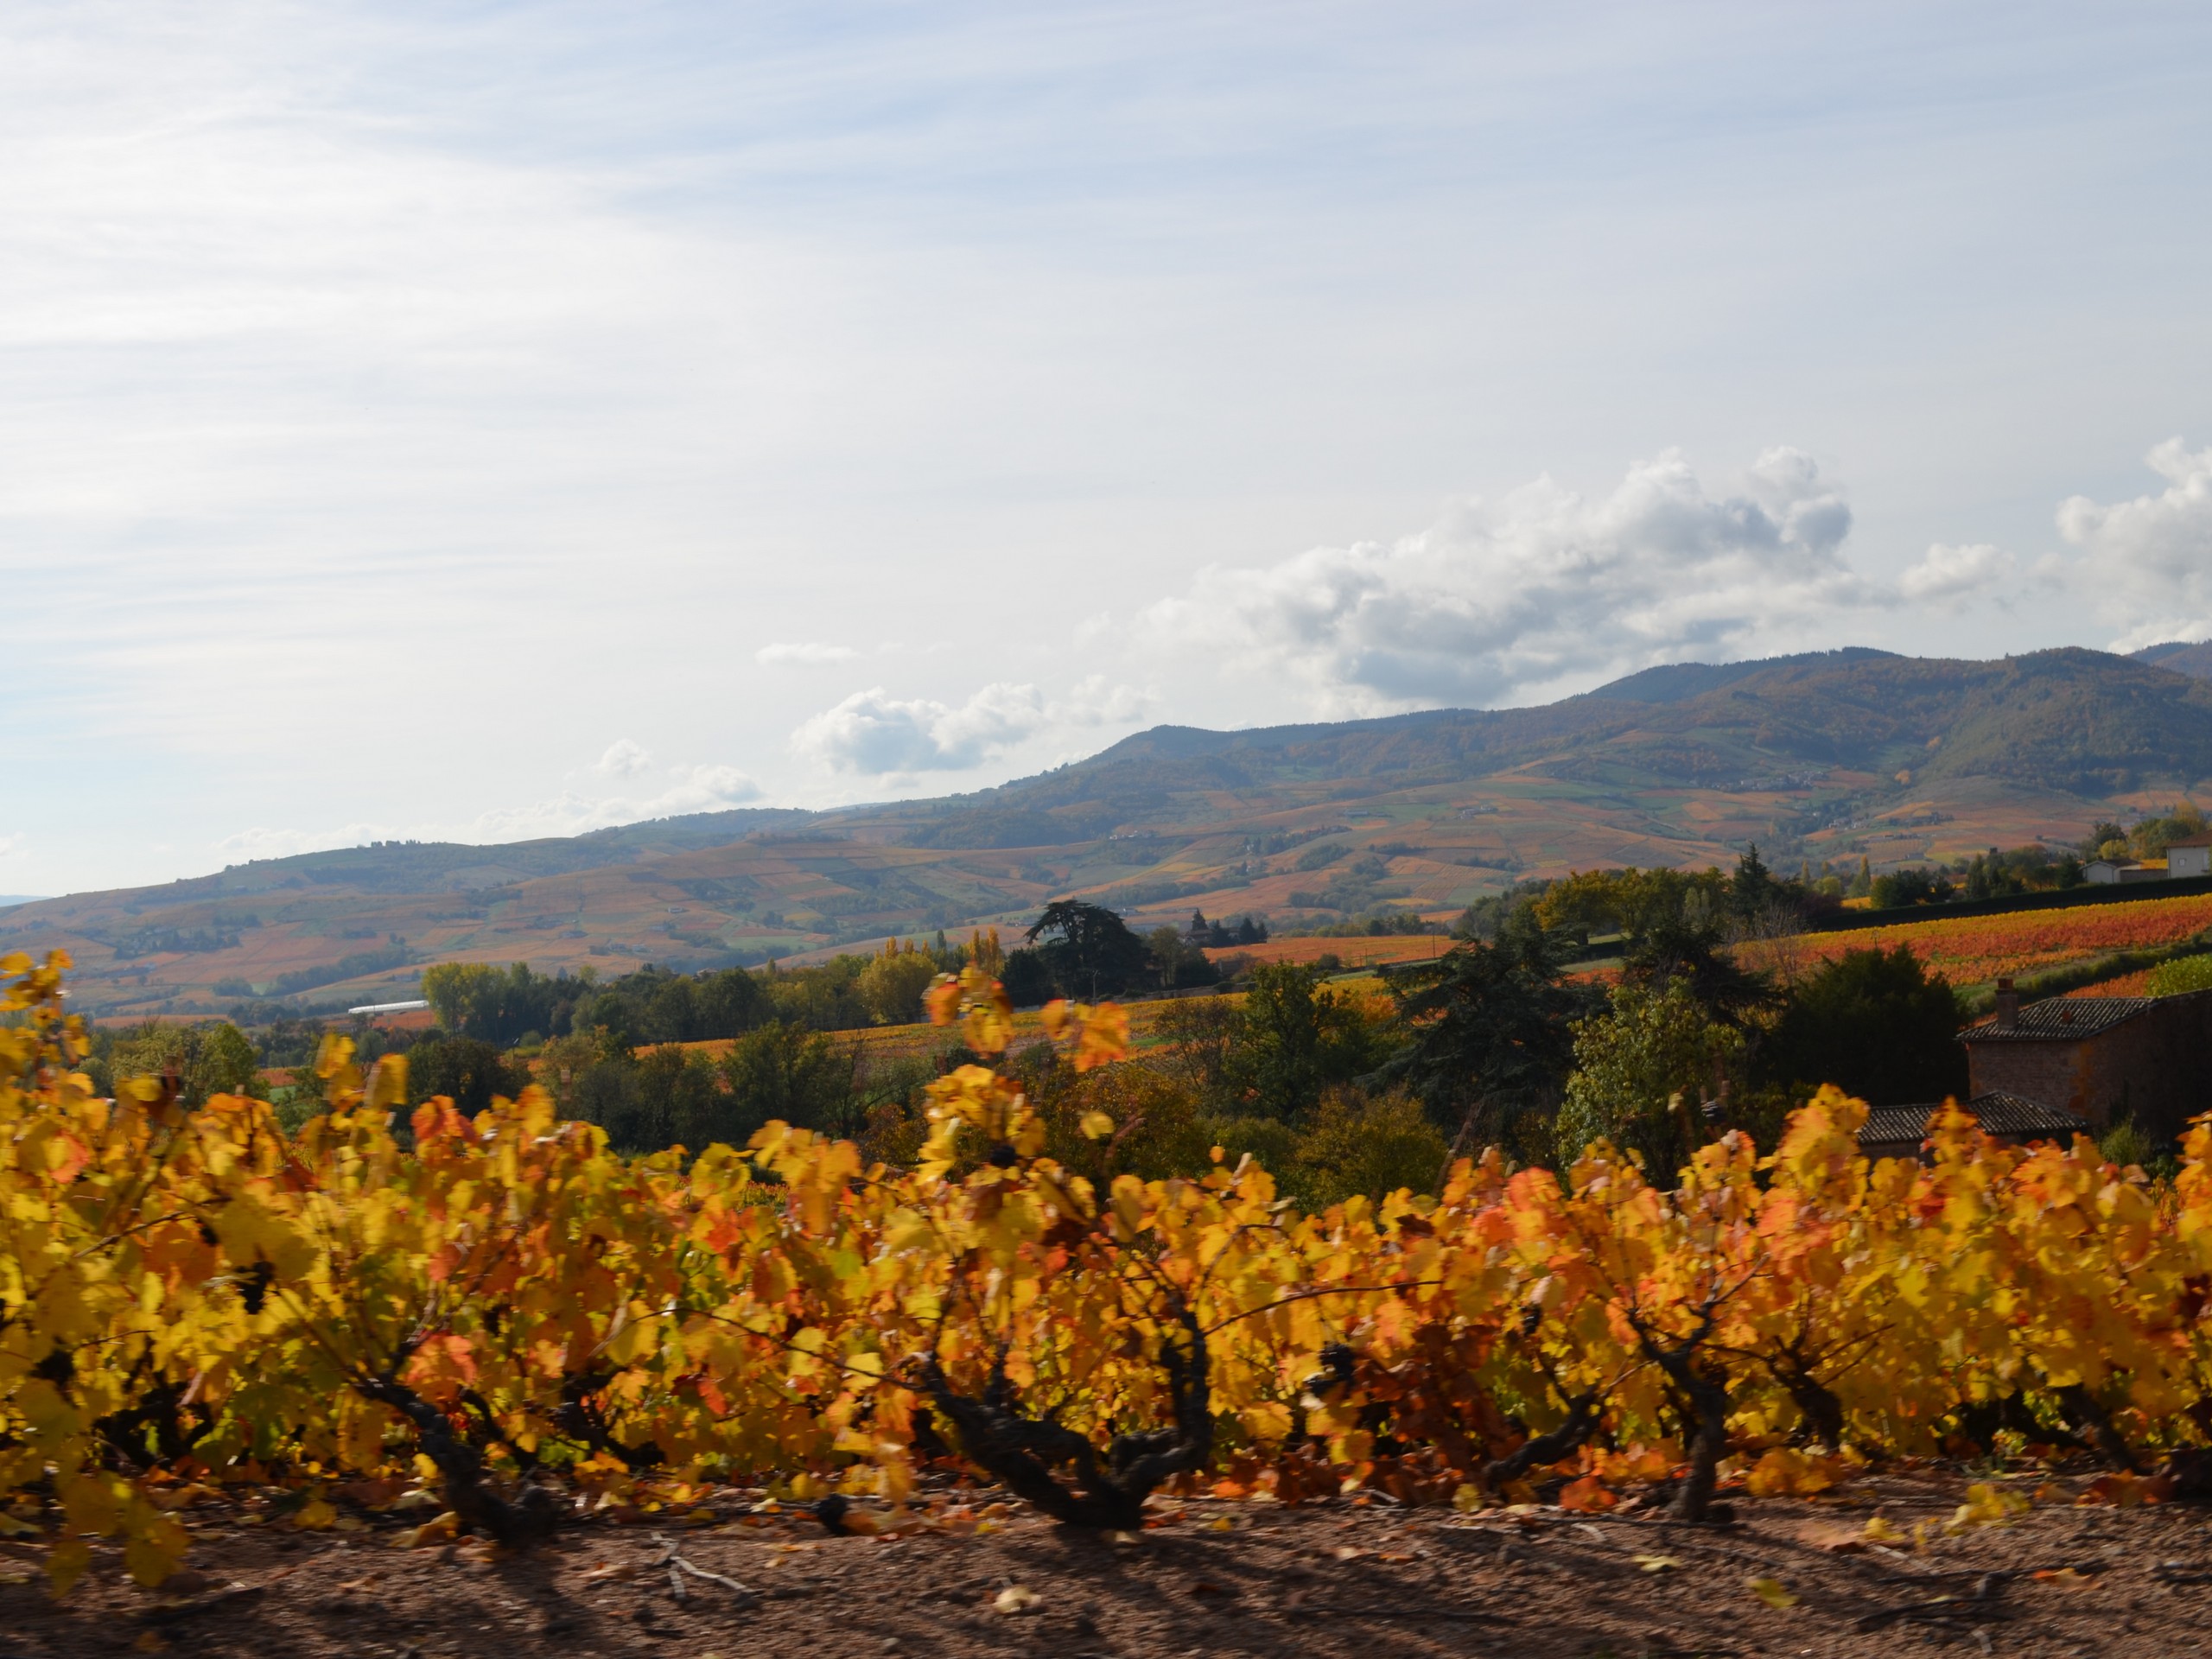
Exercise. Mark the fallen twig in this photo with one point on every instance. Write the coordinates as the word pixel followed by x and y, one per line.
pixel 1484 1615
pixel 1968 1609
pixel 168 1613
pixel 678 1567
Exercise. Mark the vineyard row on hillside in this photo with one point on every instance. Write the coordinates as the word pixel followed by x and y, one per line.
pixel 505 1310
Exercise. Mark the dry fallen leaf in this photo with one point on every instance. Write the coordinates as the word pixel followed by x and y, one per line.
pixel 1658 1563
pixel 1013 1600
pixel 439 1530
pixel 1770 1590
pixel 1222 1523
pixel 1880 1531
pixel 1346 1553
pixel 2066 1577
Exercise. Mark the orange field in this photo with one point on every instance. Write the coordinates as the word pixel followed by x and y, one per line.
pixel 2135 984
pixel 1974 949
pixel 1363 952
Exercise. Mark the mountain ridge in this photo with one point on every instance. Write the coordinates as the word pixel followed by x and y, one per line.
pixel 1818 756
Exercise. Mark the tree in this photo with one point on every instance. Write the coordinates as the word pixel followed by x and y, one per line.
pixel 1492 1035
pixel 1909 886
pixel 1876 1024
pixel 1293 1040
pixel 205 1060
pixel 1028 978
pixel 784 1071
pixel 467 1071
pixel 892 984
pixel 1752 891
pixel 1177 961
pixel 1641 1070
pixel 1690 950
pixel 1089 949
pixel 224 1063
pixel 1371 1144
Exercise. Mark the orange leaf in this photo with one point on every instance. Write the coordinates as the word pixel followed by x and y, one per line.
pixel 1589 1494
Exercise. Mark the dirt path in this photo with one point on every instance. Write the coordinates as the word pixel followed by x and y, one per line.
pixel 1212 1578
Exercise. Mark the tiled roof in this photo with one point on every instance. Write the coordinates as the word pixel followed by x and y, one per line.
pixel 2008 1113
pixel 2062 1019
pixel 1997 1112
pixel 2192 841
pixel 1889 1126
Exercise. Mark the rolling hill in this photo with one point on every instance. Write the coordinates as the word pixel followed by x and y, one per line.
pixel 2181 658
pixel 1826 756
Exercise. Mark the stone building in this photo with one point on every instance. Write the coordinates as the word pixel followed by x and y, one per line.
pixel 1897 1131
pixel 2104 1059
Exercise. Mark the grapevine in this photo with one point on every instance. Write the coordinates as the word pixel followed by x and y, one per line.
pixel 506 1315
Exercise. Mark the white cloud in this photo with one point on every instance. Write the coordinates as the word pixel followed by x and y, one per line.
pixel 625 759
pixel 872 731
pixel 8 844
pixel 804 652
pixel 2149 567
pixel 1946 573
pixel 1544 588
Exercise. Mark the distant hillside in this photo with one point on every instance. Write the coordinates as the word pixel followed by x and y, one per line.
pixel 2180 658
pixel 1834 755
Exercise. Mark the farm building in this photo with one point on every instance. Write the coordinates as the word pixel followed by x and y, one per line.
pixel 1897 1131
pixel 2189 857
pixel 2105 871
pixel 2106 1059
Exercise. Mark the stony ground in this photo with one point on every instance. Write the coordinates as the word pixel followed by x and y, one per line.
pixel 1787 1576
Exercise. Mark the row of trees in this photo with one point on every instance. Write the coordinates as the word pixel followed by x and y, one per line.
pixel 1074 949
pixel 1338 1091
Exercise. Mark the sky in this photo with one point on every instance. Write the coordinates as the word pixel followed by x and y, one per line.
pixel 477 421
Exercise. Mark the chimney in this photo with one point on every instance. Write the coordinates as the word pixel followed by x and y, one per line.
pixel 2008 1006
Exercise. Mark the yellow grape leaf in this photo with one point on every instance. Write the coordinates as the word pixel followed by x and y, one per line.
pixel 1880 1531
pixel 942 1000
pixel 1105 1037
pixel 314 1516
pixel 1096 1125
pixel 65 1563
pixel 11 1528
pixel 155 1546
pixel 1013 1600
pixel 1772 1592
pixel 430 1532
pixel 1466 1497
pixel 1786 1471
pixel 1659 1563
pixel 1987 1505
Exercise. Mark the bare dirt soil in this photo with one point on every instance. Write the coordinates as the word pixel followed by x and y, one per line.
pixel 1339 1577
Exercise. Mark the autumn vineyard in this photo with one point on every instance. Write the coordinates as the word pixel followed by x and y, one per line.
pixel 504 1313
